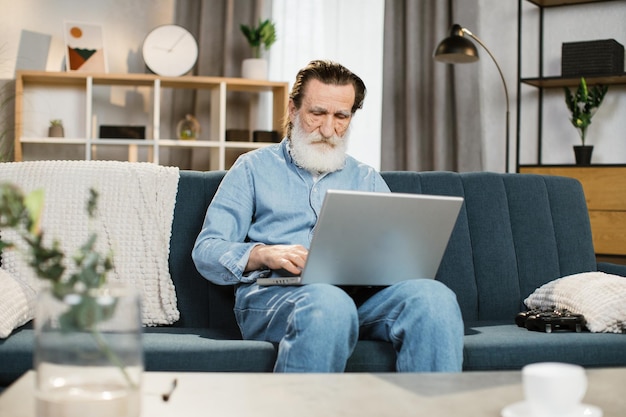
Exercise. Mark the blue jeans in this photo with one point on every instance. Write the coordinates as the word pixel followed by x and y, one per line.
pixel 317 326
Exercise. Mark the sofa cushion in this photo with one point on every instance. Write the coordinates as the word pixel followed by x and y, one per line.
pixel 205 350
pixel 598 296
pixel 17 303
pixel 201 303
pixel 502 345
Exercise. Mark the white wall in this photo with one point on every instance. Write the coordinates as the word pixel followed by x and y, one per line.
pixel 125 24
pixel 497 28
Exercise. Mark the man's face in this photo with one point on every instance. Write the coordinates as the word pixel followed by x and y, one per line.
pixel 320 127
pixel 326 109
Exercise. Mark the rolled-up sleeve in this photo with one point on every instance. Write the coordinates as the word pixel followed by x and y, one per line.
pixel 221 252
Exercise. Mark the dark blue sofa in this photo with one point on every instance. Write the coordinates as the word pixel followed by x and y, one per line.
pixel 515 232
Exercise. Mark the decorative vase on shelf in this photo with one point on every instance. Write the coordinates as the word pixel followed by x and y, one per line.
pixel 188 128
pixel 582 153
pixel 88 354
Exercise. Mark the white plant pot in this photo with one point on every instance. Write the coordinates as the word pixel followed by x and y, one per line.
pixel 254 68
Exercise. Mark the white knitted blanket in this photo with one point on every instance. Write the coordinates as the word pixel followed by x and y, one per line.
pixel 134 220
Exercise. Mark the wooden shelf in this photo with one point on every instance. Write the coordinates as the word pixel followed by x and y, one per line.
pixel 187 81
pixel 218 87
pixel 556 3
pixel 552 82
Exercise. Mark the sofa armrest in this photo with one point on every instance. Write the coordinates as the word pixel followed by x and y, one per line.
pixel 611 268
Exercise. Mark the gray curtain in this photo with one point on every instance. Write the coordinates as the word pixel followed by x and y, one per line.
pixel 427 120
pixel 222 48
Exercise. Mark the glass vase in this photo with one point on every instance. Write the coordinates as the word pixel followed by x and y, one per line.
pixel 88 355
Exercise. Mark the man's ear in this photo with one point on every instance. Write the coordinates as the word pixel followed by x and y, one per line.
pixel 292 110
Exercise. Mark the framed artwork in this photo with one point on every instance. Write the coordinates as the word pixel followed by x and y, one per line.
pixel 84 47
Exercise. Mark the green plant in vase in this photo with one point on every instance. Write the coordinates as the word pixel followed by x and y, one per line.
pixel 76 321
pixel 583 104
pixel 260 37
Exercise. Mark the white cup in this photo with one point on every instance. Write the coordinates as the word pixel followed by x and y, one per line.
pixel 554 389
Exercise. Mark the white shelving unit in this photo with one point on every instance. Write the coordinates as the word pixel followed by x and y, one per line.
pixel 83 84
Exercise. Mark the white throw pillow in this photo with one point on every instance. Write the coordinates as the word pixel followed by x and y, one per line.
pixel 17 303
pixel 598 296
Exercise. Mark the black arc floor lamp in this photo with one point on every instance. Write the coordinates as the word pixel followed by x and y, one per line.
pixel 457 49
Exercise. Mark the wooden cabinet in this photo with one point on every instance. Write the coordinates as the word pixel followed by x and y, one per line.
pixel 84 112
pixel 605 192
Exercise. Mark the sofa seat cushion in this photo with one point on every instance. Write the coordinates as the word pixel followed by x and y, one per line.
pixel 372 356
pixel 498 345
pixel 204 350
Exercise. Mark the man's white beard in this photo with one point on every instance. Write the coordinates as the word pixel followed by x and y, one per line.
pixel 315 157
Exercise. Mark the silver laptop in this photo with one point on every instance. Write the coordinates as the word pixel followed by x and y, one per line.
pixel 367 238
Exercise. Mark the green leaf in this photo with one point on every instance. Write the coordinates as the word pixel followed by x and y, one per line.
pixel 262 35
pixel 34 205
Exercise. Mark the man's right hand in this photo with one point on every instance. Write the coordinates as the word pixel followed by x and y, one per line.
pixel 291 258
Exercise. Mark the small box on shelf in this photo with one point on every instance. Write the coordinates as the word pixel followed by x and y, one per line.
pixel 237 135
pixel 592 58
pixel 122 132
pixel 266 136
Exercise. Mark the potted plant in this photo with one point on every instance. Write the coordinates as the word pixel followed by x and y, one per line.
pixel 56 128
pixel 260 38
pixel 582 105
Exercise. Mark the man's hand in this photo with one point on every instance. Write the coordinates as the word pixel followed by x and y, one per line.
pixel 288 257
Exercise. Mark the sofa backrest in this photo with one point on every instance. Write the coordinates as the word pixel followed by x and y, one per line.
pixel 514 233
pixel 201 304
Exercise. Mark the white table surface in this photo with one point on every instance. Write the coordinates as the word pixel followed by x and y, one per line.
pixel 472 394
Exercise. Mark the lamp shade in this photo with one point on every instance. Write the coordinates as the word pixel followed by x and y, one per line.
pixel 456 49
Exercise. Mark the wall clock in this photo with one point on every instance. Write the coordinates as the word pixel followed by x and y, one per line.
pixel 170 50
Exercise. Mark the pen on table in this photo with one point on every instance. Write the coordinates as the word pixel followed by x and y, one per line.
pixel 166 396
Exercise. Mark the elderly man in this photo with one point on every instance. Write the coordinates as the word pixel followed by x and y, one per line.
pixel 260 224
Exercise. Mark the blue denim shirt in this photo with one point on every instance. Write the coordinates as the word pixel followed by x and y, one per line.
pixel 265 198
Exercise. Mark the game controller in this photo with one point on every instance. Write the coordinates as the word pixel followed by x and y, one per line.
pixel 550 320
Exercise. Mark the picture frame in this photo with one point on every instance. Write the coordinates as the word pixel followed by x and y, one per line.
pixel 84 47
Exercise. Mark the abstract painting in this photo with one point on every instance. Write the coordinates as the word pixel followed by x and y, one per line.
pixel 84 47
